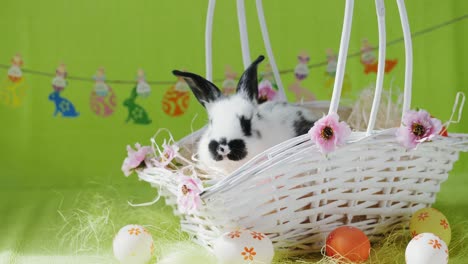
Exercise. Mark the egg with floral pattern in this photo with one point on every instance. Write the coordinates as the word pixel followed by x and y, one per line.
pixel 133 244
pixel 243 246
pixel 426 248
pixel 430 220
pixel 175 101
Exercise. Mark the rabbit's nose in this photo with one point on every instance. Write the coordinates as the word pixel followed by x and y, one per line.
pixel 223 150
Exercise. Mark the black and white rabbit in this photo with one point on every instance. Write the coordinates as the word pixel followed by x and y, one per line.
pixel 239 127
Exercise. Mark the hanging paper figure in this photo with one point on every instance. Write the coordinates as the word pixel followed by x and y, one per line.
pixel 176 99
pixel 100 87
pixel 330 74
pixel 59 83
pixel 102 100
pixel 136 113
pixel 62 105
pixel 267 87
pixel 229 84
pixel 13 89
pixel 300 73
pixel 143 89
pixel 369 59
pixel 331 63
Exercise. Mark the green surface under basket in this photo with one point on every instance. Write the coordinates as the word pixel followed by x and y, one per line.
pixel 42 224
pixel 62 194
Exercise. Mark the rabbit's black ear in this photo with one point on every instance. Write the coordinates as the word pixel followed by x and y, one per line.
pixel 248 83
pixel 204 90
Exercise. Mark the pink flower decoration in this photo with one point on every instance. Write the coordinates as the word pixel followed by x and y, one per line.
pixel 417 127
pixel 167 156
pixel 266 91
pixel 136 158
pixel 328 133
pixel 188 197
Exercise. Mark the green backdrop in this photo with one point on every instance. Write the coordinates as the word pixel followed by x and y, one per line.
pixel 47 160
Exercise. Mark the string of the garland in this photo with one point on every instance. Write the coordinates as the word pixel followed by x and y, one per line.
pixel 310 66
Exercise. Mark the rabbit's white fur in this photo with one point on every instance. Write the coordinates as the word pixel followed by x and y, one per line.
pixel 239 128
pixel 272 123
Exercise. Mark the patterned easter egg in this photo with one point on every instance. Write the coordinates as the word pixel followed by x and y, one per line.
pixel 430 220
pixel 426 248
pixel 133 244
pixel 243 246
pixel 175 102
pixel 103 105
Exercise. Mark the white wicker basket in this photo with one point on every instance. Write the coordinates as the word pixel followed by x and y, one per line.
pixel 296 195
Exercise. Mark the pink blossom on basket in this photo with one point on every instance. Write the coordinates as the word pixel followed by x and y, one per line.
pixel 136 158
pixel 328 133
pixel 168 154
pixel 266 91
pixel 188 196
pixel 417 127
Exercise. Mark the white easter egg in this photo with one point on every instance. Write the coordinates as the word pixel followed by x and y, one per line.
pixel 133 244
pixel 243 246
pixel 426 248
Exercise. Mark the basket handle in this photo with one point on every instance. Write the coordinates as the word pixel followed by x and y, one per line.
pixel 380 9
pixel 343 53
pixel 408 56
pixel 208 40
pixel 244 42
pixel 271 57
pixel 243 33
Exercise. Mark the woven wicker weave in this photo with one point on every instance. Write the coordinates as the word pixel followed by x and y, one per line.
pixel 296 195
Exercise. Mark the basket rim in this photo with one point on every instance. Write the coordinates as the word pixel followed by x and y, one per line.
pixel 356 137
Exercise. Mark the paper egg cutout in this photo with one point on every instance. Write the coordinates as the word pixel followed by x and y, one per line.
pixel 348 242
pixel 426 248
pixel 103 105
pixel 175 102
pixel 243 246
pixel 430 220
pixel 133 244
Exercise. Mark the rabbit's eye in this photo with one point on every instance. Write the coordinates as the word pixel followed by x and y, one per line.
pixel 246 125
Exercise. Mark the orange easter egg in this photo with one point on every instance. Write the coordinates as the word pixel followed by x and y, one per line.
pixel 175 102
pixel 348 243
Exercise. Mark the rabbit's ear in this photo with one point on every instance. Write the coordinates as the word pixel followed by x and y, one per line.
pixel 204 90
pixel 248 83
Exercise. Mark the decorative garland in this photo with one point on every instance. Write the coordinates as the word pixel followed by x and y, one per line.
pixel 175 102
